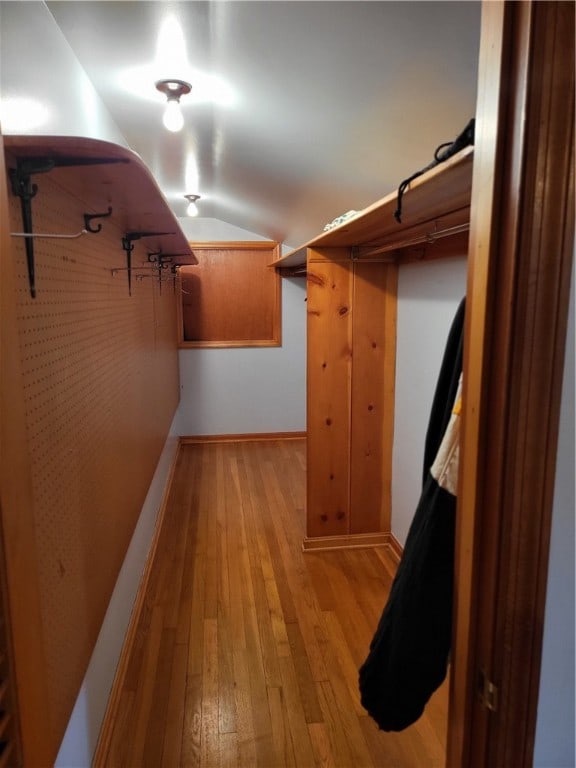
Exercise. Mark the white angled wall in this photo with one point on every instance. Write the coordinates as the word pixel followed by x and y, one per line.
pixel 37 64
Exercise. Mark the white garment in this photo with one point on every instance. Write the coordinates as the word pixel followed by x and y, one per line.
pixel 445 467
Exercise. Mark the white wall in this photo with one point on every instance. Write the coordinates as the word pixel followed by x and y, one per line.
pixel 428 296
pixel 554 742
pixel 246 390
pixel 37 63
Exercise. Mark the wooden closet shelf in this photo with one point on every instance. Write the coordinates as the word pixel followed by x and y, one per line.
pixel 102 174
pixel 439 199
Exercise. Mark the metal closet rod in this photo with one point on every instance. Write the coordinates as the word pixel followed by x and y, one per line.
pixel 50 235
pixel 154 277
pixel 153 267
pixel 427 237
pixel 125 269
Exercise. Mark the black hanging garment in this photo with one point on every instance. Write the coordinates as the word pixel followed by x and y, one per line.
pixel 409 653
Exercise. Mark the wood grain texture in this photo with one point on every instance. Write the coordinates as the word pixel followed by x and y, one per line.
pixel 271 678
pixel 484 213
pixel 329 378
pixel 543 261
pixel 522 240
pixel 232 298
pixel 372 396
pixel 350 404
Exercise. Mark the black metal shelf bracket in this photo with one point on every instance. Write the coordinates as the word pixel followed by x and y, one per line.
pixel 127 245
pixel 154 256
pixel 22 187
pixel 174 270
pixel 161 261
pixel 128 248
pixel 88 217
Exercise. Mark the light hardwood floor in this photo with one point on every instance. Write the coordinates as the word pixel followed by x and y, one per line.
pixel 247 650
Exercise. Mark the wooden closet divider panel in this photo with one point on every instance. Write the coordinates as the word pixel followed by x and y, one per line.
pixel 329 381
pixel 351 371
pixel 372 400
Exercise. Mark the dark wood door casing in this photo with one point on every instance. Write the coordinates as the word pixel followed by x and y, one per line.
pixel 521 250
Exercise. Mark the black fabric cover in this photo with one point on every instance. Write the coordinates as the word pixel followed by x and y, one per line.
pixel 409 653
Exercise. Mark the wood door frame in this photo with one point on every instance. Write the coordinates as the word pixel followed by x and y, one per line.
pixel 521 251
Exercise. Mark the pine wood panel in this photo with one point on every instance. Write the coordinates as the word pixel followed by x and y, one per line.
pixel 99 377
pixel 372 396
pixel 267 674
pixel 329 372
pixel 350 406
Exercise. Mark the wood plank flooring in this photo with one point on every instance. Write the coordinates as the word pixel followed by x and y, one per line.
pixel 247 650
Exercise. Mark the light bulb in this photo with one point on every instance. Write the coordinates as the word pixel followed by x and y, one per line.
pixel 192 210
pixel 173 119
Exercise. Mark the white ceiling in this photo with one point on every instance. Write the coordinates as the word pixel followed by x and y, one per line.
pixel 321 107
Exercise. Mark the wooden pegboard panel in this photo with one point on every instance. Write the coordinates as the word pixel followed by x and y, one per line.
pixel 100 382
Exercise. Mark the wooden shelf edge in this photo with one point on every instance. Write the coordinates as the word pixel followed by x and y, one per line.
pixel 443 190
pixel 292 260
pixel 455 173
pixel 20 146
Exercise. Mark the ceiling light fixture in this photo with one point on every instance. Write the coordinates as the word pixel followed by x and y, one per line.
pixel 173 89
pixel 192 209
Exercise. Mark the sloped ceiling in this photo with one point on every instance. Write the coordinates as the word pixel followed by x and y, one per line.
pixel 299 111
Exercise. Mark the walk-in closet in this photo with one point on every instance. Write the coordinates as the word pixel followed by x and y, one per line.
pixel 287 384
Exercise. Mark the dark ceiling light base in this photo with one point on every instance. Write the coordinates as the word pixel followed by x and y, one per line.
pixel 173 89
